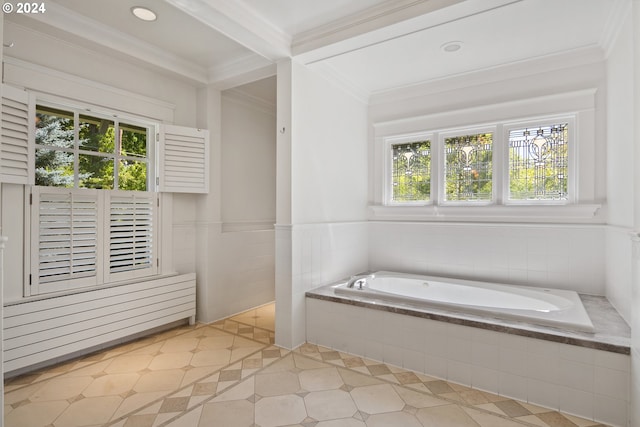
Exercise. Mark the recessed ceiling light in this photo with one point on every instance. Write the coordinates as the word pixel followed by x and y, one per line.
pixel 451 46
pixel 144 13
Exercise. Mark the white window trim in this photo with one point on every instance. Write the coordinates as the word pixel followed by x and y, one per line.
pixel 388 185
pixel 153 129
pixel 500 209
pixel 572 184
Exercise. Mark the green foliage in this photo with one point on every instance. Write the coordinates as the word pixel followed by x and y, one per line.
pixel 96 160
pixel 132 176
pixel 98 135
pixel 54 168
pixel 469 167
pixel 412 172
pixel 539 180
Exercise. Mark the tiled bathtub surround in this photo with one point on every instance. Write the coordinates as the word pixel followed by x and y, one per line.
pixel 557 256
pixel 590 383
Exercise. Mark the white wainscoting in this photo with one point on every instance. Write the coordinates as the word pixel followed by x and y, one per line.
pixel 42 330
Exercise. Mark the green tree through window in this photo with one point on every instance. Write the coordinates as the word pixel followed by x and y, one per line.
pixel 469 167
pixel 538 163
pixel 411 171
pixel 107 154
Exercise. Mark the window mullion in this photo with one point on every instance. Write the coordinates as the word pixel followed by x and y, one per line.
pixel 116 159
pixel 437 171
pixel 500 159
pixel 76 149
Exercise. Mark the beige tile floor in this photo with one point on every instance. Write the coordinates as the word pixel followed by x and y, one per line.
pixel 230 374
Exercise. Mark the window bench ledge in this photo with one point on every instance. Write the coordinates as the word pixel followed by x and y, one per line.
pixel 575 213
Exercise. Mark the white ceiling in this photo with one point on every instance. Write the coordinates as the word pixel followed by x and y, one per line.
pixel 371 46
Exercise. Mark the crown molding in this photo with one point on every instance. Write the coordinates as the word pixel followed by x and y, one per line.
pixel 241 24
pixel 78 25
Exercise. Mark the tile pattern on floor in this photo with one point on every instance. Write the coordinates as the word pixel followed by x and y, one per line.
pixel 230 374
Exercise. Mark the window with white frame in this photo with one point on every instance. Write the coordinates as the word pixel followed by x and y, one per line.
pixel 80 150
pixel 411 171
pixel 93 218
pixel 468 167
pixel 92 178
pixel 527 162
pixel 539 162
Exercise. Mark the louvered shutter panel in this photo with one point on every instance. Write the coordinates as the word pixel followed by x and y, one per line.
pixel 132 232
pixel 16 154
pixel 184 160
pixel 65 233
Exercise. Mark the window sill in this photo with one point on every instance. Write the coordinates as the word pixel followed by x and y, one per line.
pixel 583 213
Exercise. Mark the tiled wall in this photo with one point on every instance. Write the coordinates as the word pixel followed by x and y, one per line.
pixel 619 269
pixel 560 256
pixel 309 256
pixel 589 383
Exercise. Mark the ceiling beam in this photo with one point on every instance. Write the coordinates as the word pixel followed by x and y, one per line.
pixel 241 24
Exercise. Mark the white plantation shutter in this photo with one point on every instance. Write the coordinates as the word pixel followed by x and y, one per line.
pixel 65 230
pixel 16 154
pixel 184 160
pixel 132 234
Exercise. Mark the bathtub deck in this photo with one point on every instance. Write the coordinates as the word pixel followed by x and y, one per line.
pixel 611 331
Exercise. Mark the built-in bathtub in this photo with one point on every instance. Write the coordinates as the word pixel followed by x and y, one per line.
pixel 549 307
pixel 575 371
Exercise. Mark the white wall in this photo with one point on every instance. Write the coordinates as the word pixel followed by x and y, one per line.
pixel 321 234
pixel 329 168
pixel 248 160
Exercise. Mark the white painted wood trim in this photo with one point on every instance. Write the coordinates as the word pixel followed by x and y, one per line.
pixel 44 329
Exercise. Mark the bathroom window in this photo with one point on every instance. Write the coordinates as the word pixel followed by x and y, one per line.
pixel 78 150
pixel 538 163
pixel 94 219
pixel 411 171
pixel 528 162
pixel 468 167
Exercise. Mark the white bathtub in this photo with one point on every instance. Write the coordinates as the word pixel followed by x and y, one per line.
pixel 541 306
